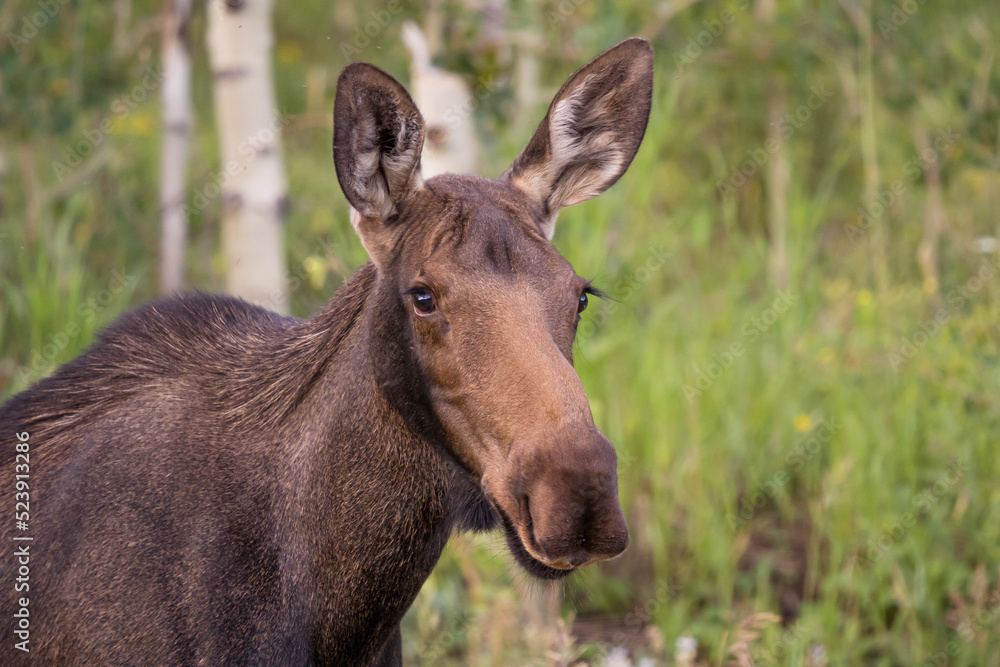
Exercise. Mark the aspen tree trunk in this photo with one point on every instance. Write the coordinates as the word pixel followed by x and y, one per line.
pixel 3 180
pixel 447 105
pixel 176 143
pixel 527 79
pixel 777 165
pixel 859 11
pixel 934 220
pixel 123 19
pixel 32 190
pixel 253 177
pixel 878 239
pixel 777 186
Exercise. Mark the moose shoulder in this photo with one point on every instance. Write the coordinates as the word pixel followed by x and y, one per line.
pixel 215 484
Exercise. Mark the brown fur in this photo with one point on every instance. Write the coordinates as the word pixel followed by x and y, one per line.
pixel 212 483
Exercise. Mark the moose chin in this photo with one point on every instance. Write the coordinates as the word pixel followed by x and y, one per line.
pixel 213 483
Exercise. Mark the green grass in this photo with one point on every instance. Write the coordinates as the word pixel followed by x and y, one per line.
pixel 689 271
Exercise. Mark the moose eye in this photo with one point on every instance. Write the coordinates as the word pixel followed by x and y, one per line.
pixel 588 291
pixel 423 302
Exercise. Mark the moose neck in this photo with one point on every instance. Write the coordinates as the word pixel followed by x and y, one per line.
pixel 357 344
pixel 402 385
pixel 354 344
pixel 366 475
pixel 348 367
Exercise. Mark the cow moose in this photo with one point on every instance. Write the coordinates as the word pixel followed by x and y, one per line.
pixel 212 483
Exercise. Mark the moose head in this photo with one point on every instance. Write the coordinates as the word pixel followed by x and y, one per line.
pixel 486 308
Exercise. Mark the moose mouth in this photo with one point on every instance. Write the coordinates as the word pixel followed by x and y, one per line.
pixel 532 565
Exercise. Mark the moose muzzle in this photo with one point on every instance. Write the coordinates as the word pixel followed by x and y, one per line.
pixel 559 494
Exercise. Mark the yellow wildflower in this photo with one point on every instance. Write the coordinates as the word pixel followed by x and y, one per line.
pixel 316 270
pixel 802 422
pixel 59 86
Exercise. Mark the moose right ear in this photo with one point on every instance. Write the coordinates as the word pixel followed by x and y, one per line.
pixel 590 134
pixel 378 135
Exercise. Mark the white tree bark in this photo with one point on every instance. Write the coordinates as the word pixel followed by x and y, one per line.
pixel 240 45
pixel 176 143
pixel 3 180
pixel 934 219
pixel 777 167
pixel 448 107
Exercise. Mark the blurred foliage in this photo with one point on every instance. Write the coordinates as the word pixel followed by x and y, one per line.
pixel 738 502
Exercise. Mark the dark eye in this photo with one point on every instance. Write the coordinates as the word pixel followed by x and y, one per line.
pixel 423 302
pixel 582 305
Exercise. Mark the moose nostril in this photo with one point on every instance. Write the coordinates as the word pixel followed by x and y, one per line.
pixel 529 526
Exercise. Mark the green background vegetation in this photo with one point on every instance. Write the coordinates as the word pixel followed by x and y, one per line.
pixel 839 471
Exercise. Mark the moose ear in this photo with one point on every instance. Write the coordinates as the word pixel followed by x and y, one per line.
pixel 591 132
pixel 378 135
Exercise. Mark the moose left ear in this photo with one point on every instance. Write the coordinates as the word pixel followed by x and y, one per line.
pixel 378 135
pixel 591 132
